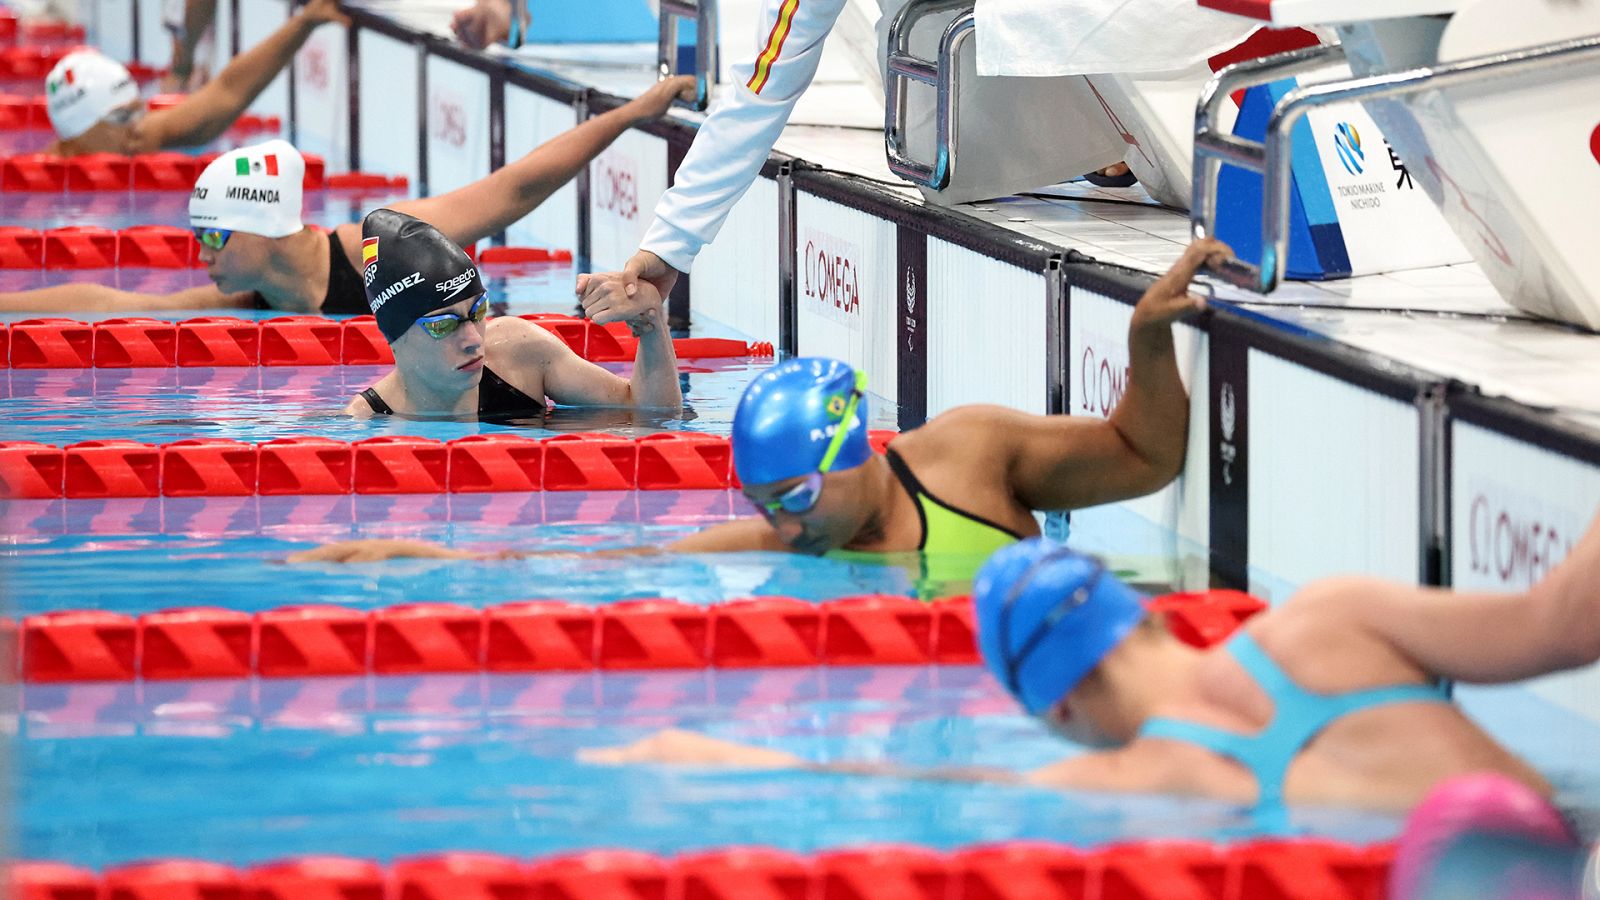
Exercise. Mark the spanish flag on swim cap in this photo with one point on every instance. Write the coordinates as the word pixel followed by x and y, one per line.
pixel 787 419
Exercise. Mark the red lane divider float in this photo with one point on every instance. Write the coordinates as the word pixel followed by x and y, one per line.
pixel 59 343
pixel 165 171
pixel 213 467
pixel 1013 870
pixel 529 636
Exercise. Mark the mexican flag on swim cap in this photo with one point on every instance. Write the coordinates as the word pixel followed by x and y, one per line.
pixel 787 419
pixel 83 88
pixel 255 189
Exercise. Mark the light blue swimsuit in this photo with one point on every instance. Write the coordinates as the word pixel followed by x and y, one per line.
pixel 1298 716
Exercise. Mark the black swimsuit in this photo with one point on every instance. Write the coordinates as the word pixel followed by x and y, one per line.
pixel 346 296
pixel 498 400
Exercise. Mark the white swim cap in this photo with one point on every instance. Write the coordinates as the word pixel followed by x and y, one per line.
pixel 83 88
pixel 253 189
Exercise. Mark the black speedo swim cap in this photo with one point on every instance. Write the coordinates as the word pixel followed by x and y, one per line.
pixel 411 270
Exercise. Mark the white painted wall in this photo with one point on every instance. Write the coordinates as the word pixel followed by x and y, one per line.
pixel 257 20
pixel 458 125
pixel 389 107
pixel 736 276
pixel 531 120
pixel 986 331
pixel 322 97
pixel 624 184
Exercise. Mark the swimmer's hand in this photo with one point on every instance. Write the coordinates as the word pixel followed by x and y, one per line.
pixel 1169 299
pixel 678 747
pixel 658 98
pixel 483 23
pixel 379 549
pixel 321 12
pixel 611 296
pixel 606 299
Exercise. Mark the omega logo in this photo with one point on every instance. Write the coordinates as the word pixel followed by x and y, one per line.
pixel 616 190
pixel 449 120
pixel 1509 547
pixel 832 278
pixel 314 67
pixel 1103 383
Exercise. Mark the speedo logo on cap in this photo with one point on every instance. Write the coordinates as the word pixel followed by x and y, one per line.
pixel 454 285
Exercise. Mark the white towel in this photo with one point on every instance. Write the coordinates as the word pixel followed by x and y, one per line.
pixel 1041 38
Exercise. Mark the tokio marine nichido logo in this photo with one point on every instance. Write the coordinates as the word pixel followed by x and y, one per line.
pixel 1347 140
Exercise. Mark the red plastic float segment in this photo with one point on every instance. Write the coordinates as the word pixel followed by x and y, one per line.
pixel 10 660
pixel 1163 870
pixel 99 469
pixel 745 873
pixel 27 63
pixel 50 881
pixel 1303 870
pixel 877 630
pixel 305 465
pixel 540 635
pixel 21 248
pixel 884 873
pixel 364 344
pixel 37 172
pixel 1023 870
pixel 361 181
pixel 80 247
pixel 461 876
pixel 604 875
pixel 208 467
pixel 218 341
pixel 135 343
pixel 100 172
pixel 40 31
pixel 157 247
pixel 1206 618
pixel 31 471
pixel 589 461
pixel 301 341
pixel 175 879
pixel 879 438
pixel 683 461
pixel 316 171
pixel 955 631
pixel 653 634
pixel 51 344
pixel 200 642
pixel 303 641
pixel 316 878
pixel 79 646
pixel 397 464
pixel 20 113
pixel 495 462
pixel 709 348
pixel 165 172
pixel 426 638
pixel 571 330
pixel 765 631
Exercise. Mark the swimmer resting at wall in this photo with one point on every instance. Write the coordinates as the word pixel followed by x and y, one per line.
pixel 245 209
pixel 967 482
pixel 95 107
pixel 430 305
pixel 1332 699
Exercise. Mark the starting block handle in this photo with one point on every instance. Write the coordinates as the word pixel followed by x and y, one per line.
pixel 704 14
pixel 942 74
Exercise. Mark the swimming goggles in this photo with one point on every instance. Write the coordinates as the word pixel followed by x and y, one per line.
pixel 215 238
pixel 124 115
pixel 803 496
pixel 445 324
pixel 1014 660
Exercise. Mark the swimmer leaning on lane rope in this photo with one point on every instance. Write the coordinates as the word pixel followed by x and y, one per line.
pixel 95 107
pixel 449 361
pixel 967 482
pixel 1331 699
pixel 246 206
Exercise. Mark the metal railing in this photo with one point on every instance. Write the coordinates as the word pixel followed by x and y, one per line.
pixel 1273 156
pixel 704 14
pixel 942 74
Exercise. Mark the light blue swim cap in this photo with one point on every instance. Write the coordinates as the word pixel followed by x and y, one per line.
pixel 1046 616
pixel 788 416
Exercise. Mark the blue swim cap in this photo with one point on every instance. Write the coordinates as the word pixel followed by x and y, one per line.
pixel 788 417
pixel 1046 616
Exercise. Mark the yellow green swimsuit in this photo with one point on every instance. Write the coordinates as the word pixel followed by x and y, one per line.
pixel 954 542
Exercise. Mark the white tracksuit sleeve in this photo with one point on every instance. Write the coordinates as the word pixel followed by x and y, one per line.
pixel 735 139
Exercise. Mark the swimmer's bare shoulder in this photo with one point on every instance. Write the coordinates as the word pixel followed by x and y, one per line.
pixel 518 351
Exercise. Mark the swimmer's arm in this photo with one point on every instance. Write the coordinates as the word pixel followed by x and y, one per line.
pixel 731 537
pixel 517 349
pixel 101 298
pixel 1485 638
pixel 207 113
pixel 492 204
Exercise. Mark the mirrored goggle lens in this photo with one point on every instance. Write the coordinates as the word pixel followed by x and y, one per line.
pixel 798 499
pixel 215 238
pixel 445 325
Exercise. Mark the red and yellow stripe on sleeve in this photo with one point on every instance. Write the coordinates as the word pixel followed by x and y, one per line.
pixel 780 33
